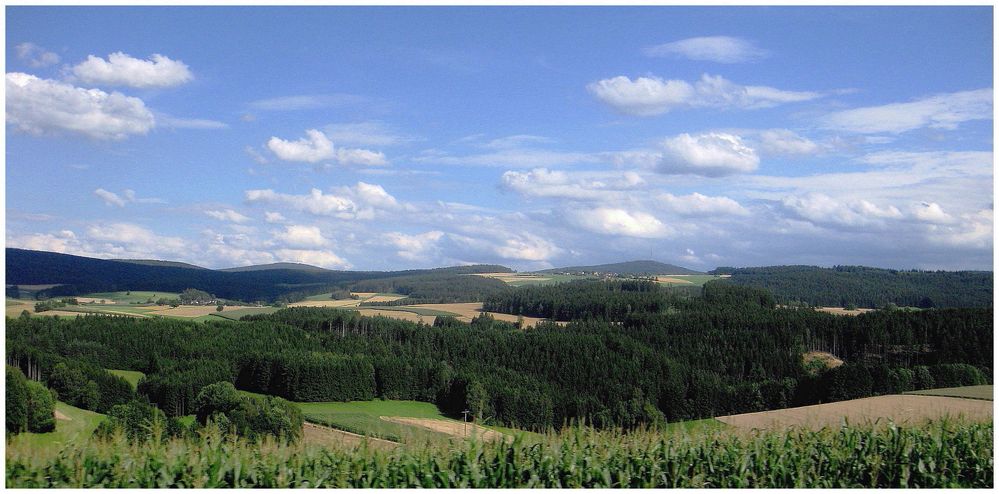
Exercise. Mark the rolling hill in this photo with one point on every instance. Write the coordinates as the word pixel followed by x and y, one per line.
pixel 294 266
pixel 630 267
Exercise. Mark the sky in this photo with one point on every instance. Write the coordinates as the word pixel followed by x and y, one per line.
pixel 381 138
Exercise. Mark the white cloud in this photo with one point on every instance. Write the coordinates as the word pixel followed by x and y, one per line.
pixel 315 147
pixel 785 142
pixel 650 96
pixel 123 70
pixel 942 111
pixel 43 106
pixel 133 241
pixel 321 258
pixel 823 210
pixel 190 123
pixel 542 182
pixel 931 212
pixel 362 157
pixel 64 242
pixel 372 195
pixel 271 217
pixel 616 221
pixel 721 49
pixel 110 198
pixel 516 141
pixel 701 205
pixel 306 102
pixel 713 154
pixel 414 247
pixel 227 215
pixel 315 202
pixel 974 231
pixel 35 55
pixel 366 134
pixel 301 236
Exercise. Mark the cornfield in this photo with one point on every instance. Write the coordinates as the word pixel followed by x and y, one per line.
pixel 937 454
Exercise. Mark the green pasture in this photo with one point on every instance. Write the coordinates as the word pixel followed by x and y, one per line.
pixel 77 430
pixel 131 296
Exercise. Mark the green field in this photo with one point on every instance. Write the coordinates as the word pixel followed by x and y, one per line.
pixel 983 392
pixel 77 430
pixel 420 311
pixel 131 376
pixel 694 279
pixel 130 297
pixel 235 314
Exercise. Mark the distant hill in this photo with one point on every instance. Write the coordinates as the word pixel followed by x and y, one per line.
pixel 77 275
pixel 631 267
pixel 868 287
pixel 154 262
pixel 277 265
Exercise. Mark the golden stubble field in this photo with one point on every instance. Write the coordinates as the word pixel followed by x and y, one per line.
pixel 901 409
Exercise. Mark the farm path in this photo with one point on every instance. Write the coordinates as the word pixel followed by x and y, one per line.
pixel 449 427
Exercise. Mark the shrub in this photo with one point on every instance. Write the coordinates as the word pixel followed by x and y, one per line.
pixel 17 400
pixel 41 408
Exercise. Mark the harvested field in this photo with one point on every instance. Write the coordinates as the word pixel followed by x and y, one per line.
pixel 318 435
pixel 326 303
pixel 670 279
pixel 982 392
pixel 397 314
pixel 378 297
pixel 467 311
pixel 899 408
pixel 513 277
pixel 829 360
pixel 192 310
pixel 449 427
pixel 839 311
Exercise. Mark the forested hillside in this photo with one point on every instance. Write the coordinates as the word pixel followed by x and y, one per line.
pixel 868 287
pixel 729 351
pixel 630 267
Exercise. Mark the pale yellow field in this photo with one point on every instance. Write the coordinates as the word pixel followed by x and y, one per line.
pixel 900 408
pixel 466 311
pixel 192 310
pixel 839 311
pixel 449 427
pixel 319 435
pixel 670 279
pixel 511 277
pixel 397 314
pixel 326 303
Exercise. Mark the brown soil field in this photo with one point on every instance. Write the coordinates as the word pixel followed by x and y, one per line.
pixel 466 311
pixel 827 358
pixel 839 311
pixel 899 408
pixel 449 427
pixel 670 279
pixel 319 435
pixel 192 310
pixel 397 314
pixel 326 303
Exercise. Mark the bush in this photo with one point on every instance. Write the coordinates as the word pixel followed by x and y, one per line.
pixel 41 408
pixel 17 400
pixel 248 416
pixel 139 421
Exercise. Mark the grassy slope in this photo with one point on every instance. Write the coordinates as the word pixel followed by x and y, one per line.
pixel 131 376
pixel 129 297
pixel 983 392
pixel 74 431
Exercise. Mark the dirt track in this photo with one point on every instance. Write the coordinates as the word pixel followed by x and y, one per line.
pixel 449 427
pixel 900 408
pixel 319 435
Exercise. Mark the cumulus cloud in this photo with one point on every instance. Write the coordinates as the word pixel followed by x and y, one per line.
pixel 931 212
pixel 617 221
pixel 414 247
pixel 785 142
pixel 227 215
pixel 321 258
pixel 650 96
pixel 123 70
pixel 942 111
pixel 361 157
pixel 823 210
pixel 542 182
pixel 712 154
pixel 701 205
pixel 313 148
pixel 721 49
pixel 64 242
pixel 43 106
pixel 362 201
pixel 301 236
pixel 35 55
pixel 273 217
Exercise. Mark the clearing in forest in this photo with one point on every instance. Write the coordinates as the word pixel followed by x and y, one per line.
pixel 466 311
pixel 898 408
pixel 840 311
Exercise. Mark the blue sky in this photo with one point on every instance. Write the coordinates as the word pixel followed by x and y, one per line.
pixel 388 138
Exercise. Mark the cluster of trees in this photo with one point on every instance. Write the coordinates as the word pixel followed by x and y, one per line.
pixel 30 405
pixel 54 304
pixel 434 287
pixel 729 351
pixel 587 299
pixel 251 417
pixel 860 286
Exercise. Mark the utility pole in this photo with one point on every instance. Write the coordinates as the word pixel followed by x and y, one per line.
pixel 464 414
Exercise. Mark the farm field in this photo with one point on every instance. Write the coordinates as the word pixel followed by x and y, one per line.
pixel 687 279
pixel 126 297
pixel 73 426
pixel 983 392
pixel 525 279
pixel 466 311
pixel 324 300
pixel 840 311
pixel 131 376
pixel 908 408
pixel 234 313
